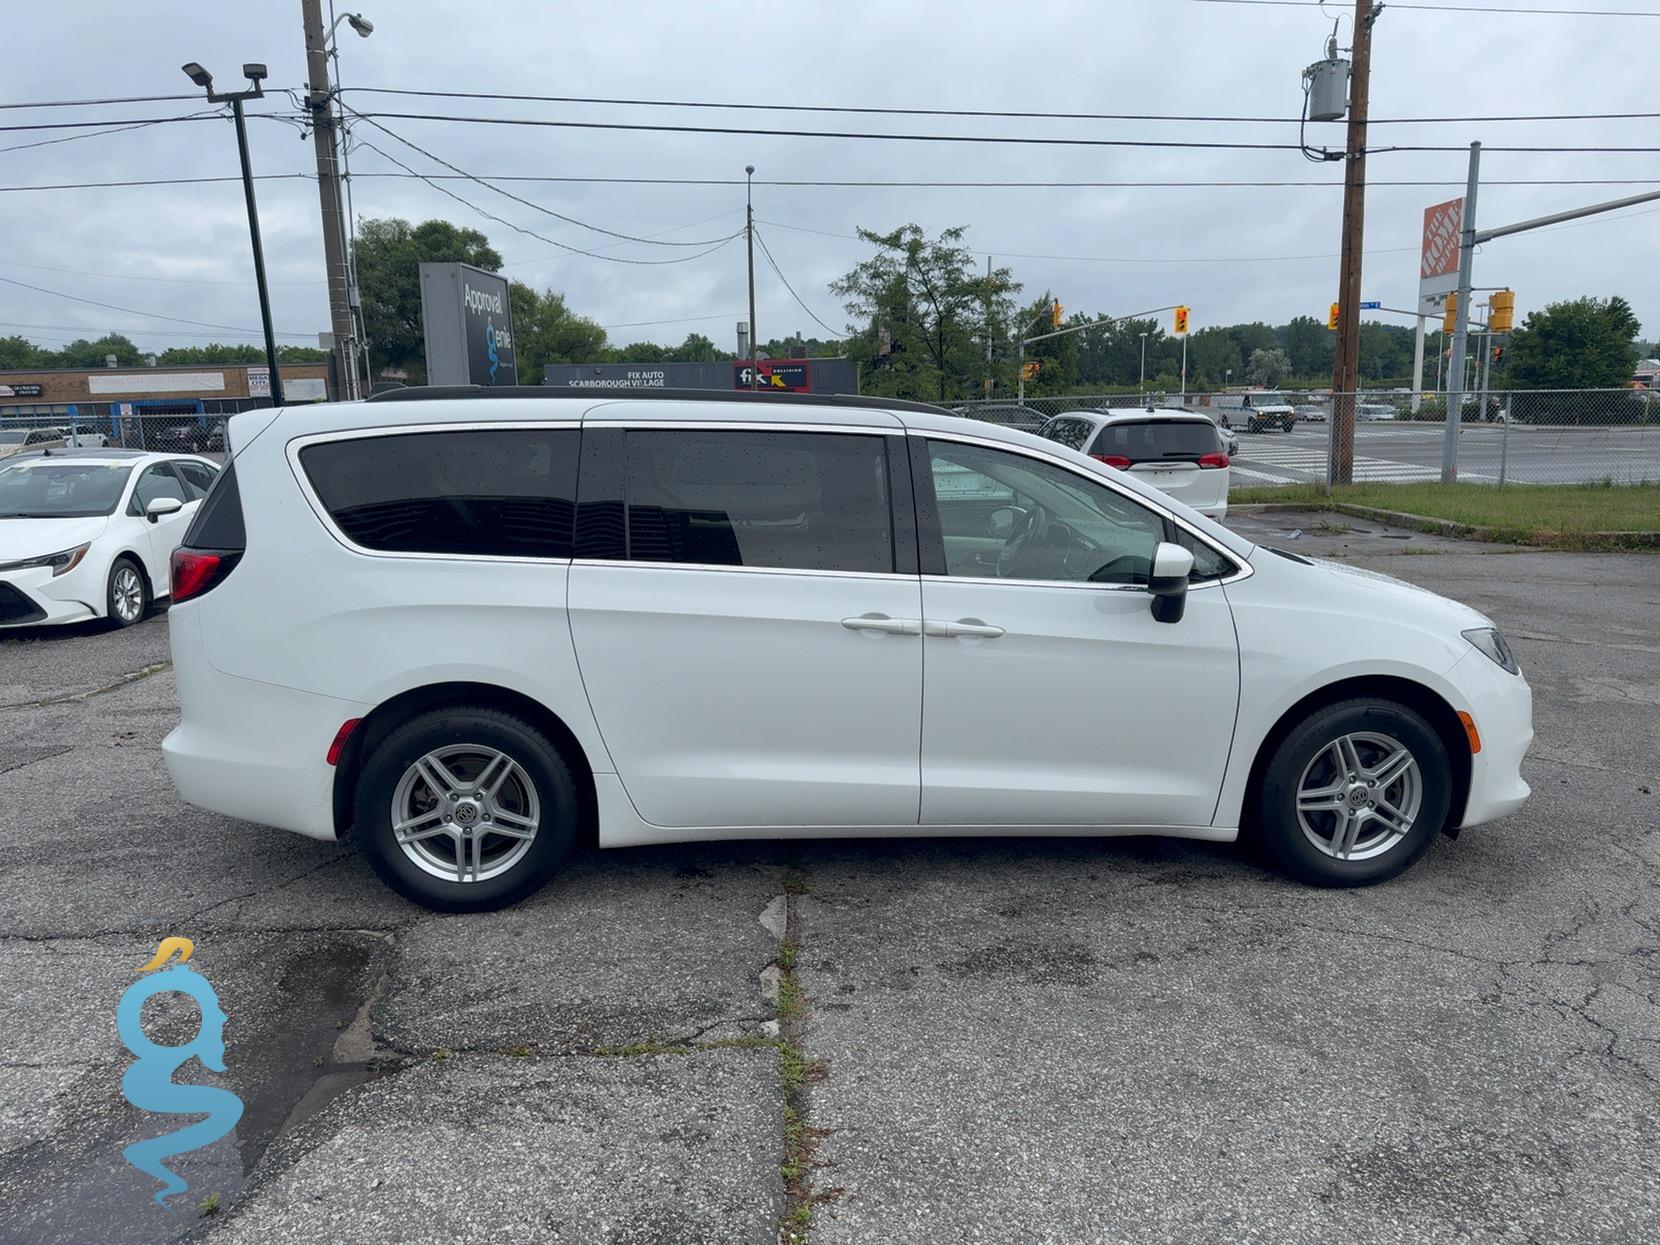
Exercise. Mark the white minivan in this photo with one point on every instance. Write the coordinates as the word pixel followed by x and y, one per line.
pixel 1180 453
pixel 473 628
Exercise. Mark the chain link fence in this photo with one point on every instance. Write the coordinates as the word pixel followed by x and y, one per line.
pixel 1533 436
pixel 160 431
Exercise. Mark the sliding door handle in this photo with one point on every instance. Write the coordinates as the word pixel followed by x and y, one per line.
pixel 883 624
pixel 962 627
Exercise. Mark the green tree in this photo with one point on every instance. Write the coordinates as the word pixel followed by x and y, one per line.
pixel 1585 343
pixel 1268 367
pixel 389 255
pixel 927 314
pixel 1310 346
pixel 1057 357
pixel 215 354
pixel 84 354
pixel 546 330
pixel 19 352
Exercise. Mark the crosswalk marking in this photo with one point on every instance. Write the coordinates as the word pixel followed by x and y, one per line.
pixel 1307 464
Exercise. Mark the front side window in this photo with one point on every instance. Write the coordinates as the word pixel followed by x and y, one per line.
pixel 157 481
pixel 1005 516
pixel 757 498
pixel 507 492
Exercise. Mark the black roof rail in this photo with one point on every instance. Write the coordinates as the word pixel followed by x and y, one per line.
pixel 428 393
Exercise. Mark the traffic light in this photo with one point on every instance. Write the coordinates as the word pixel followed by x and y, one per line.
pixel 1498 354
pixel 1331 318
pixel 1449 318
pixel 1029 371
pixel 1502 311
pixel 1055 310
pixel 1181 321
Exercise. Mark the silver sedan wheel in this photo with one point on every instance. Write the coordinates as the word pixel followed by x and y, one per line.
pixel 465 813
pixel 127 593
pixel 1359 796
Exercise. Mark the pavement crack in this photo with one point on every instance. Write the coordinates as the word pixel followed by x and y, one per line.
pixel 70 698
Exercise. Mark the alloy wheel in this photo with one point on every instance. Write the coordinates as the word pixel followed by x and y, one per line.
pixel 1359 796
pixel 465 813
pixel 127 594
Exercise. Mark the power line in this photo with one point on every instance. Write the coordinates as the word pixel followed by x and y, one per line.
pixel 980 139
pixel 133 276
pixel 119 128
pixel 531 233
pixel 153 315
pixel 850 184
pixel 640 324
pixel 93 125
pixel 1113 259
pixel 124 331
pixel 162 181
pixel 87 103
pixel 767 251
pixel 569 220
pixel 1456 8
pixel 538 259
pixel 1006 114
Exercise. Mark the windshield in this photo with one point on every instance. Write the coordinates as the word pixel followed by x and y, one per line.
pixel 51 490
pixel 1155 440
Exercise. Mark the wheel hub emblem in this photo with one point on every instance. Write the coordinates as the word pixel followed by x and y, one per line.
pixel 1359 797
pixel 466 814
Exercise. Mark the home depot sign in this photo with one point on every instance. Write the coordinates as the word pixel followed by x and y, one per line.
pixel 1438 260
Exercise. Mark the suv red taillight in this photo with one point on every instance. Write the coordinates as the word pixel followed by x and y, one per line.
pixel 1213 460
pixel 1113 460
pixel 197 570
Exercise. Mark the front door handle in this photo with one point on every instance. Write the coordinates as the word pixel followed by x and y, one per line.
pixel 882 623
pixel 962 627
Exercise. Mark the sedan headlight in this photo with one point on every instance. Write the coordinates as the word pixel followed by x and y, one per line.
pixel 1491 641
pixel 61 563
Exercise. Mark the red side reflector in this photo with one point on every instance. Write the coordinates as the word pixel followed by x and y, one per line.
pixel 1470 731
pixel 340 738
pixel 1113 460
pixel 195 572
pixel 1213 460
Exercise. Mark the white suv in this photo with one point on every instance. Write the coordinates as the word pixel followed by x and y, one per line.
pixel 475 629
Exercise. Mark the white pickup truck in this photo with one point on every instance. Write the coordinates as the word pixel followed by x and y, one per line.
pixel 1259 411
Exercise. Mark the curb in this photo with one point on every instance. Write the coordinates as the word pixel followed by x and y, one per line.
pixel 1586 542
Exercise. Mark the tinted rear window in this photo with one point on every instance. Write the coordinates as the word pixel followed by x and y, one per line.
pixel 489 492
pixel 218 523
pixel 1150 440
pixel 783 500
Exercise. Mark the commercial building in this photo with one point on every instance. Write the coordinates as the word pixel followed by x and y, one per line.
pixel 151 405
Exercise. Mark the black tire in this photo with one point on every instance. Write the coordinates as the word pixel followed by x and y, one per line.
pixel 540 764
pixel 1279 829
pixel 125 578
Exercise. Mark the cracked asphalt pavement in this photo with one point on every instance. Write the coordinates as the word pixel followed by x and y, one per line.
pixel 976 1040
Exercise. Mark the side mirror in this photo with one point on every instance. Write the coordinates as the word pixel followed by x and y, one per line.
pixel 168 505
pixel 1171 566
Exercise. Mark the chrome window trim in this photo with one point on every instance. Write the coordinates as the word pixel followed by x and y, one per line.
pixel 294 446
pixel 733 425
pixel 618 563
pixel 1244 565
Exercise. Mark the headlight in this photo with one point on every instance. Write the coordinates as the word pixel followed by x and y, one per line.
pixel 61 563
pixel 1491 641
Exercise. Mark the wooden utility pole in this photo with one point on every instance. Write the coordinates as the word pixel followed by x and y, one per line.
pixel 320 103
pixel 1345 381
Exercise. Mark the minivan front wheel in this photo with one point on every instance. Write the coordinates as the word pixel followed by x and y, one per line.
pixel 466 809
pixel 1354 794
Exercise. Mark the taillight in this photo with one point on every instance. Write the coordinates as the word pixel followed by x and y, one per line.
pixel 1213 460
pixel 197 570
pixel 340 738
pixel 1113 460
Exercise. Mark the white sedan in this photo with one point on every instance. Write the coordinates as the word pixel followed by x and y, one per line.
pixel 87 533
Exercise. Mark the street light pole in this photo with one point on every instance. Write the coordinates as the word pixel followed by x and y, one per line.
pixel 749 238
pixel 1144 365
pixel 259 253
pixel 254 73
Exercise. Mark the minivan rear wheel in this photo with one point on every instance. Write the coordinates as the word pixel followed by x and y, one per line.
pixel 1354 794
pixel 466 809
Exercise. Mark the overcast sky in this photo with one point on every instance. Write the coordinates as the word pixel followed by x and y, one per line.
pixel 1232 253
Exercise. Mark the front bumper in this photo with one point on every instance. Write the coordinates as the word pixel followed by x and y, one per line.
pixel 1502 706
pixel 33 598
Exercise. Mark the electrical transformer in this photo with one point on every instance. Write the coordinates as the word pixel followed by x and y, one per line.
pixel 1328 90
